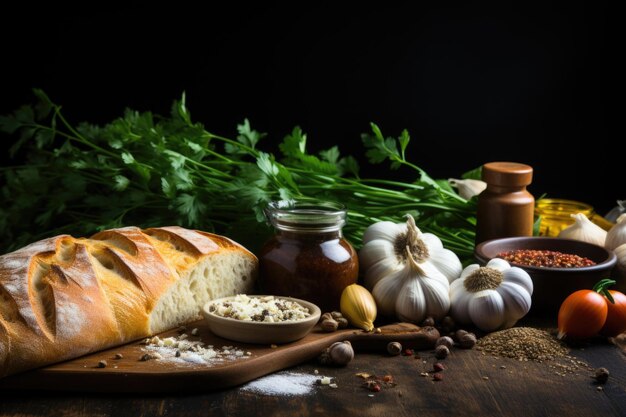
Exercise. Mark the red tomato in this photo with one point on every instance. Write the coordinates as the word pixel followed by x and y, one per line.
pixel 582 314
pixel 616 315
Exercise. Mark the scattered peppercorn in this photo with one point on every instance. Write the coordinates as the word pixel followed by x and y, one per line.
pixel 407 352
pixel 601 375
pixel 442 352
pixel 438 367
pixel 438 377
pixel 545 258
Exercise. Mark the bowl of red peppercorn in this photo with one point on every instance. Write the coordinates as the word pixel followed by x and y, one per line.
pixel 558 267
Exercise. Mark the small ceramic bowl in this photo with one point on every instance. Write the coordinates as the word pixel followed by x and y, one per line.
pixel 261 332
pixel 553 285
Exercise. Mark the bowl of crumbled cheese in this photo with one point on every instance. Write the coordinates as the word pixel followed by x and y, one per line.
pixel 264 319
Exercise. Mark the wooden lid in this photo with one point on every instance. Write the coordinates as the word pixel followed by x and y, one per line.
pixel 507 174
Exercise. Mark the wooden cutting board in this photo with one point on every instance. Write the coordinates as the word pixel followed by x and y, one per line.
pixel 130 374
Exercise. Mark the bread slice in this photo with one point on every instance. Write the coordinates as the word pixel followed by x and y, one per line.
pixel 64 297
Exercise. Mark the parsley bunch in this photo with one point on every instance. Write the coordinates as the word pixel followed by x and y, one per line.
pixel 148 170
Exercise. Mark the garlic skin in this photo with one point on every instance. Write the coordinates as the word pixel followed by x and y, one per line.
pixel 584 230
pixel 408 272
pixel 468 188
pixel 617 235
pixel 358 306
pixel 492 297
pixel 620 268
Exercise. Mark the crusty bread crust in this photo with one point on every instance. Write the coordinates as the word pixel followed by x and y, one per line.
pixel 64 297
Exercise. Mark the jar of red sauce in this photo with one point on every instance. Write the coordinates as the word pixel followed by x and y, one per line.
pixel 308 257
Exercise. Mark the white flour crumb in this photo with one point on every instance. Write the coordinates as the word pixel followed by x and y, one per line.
pixel 186 352
pixel 282 383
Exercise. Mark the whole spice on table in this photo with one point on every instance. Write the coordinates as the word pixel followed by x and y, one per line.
pixel 102 364
pixel 339 354
pixel 445 341
pixel 466 340
pixel 438 367
pixel 522 343
pixel 394 348
pixel 442 352
pixel 329 325
pixel 428 322
pixel 545 258
pixel 601 375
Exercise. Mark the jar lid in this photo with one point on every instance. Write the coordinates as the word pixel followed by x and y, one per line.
pixel 306 216
pixel 507 174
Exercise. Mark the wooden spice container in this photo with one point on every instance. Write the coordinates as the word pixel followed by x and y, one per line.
pixel 505 208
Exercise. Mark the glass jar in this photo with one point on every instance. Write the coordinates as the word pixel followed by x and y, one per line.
pixel 556 215
pixel 308 257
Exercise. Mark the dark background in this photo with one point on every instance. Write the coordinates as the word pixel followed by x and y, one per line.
pixel 472 83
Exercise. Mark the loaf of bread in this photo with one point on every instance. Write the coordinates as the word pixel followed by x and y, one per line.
pixel 64 297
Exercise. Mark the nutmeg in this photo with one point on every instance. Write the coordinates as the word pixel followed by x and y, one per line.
pixel 342 322
pixel 428 322
pixel 341 353
pixel 445 341
pixel 394 348
pixel 329 325
pixel 442 352
pixel 467 341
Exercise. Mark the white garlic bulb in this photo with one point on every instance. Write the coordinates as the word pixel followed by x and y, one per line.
pixel 492 297
pixel 407 271
pixel 617 235
pixel 468 188
pixel 584 230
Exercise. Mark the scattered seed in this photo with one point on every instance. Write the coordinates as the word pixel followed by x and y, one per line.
pixel 273 346
pixel 407 352
pixel 502 367
pixel 599 388
pixel 601 375
pixel 102 364
pixel 438 377
pixel 442 352
pixel 195 331
pixel 119 356
pixel 486 378
pixel 438 367
pixel 333 385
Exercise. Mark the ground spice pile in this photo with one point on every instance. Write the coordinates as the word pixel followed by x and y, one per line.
pixel 523 344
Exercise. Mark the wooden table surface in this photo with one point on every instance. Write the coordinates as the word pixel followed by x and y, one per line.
pixel 473 385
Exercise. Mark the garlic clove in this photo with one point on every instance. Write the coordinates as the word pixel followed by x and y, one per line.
pixel 584 230
pixel 468 188
pixel 468 271
pixel 375 251
pixel 424 295
pixel 499 264
pixel 381 269
pixel 459 303
pixel 520 277
pixel 387 290
pixel 447 262
pixel 384 230
pixel 486 310
pixel 433 243
pixel 617 235
pixel 411 304
pixel 516 299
